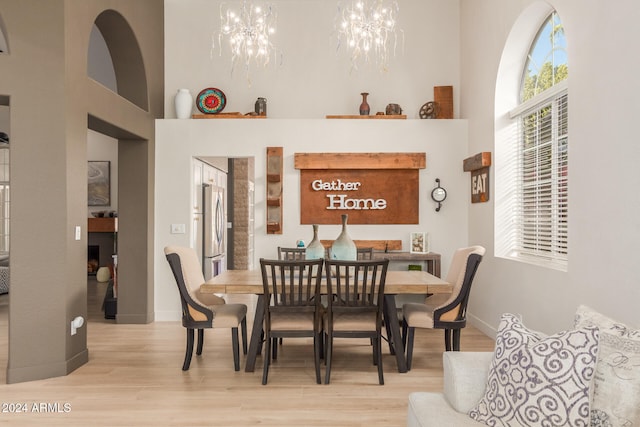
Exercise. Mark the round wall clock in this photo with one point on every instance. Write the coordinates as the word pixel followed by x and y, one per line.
pixel 211 100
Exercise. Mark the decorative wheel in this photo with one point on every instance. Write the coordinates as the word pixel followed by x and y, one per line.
pixel 428 110
pixel 211 100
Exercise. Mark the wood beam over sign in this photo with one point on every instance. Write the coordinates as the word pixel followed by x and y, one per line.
pixel 360 160
pixel 478 165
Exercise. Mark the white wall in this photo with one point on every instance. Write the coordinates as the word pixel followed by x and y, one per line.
pixel 455 43
pixel 444 141
pixel 604 153
pixel 313 80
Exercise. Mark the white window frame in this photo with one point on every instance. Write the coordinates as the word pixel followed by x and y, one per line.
pixel 514 238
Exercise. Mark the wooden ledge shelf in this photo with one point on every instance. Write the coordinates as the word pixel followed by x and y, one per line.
pixel 375 116
pixel 226 116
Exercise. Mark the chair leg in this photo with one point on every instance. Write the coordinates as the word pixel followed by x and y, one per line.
pixel 267 358
pixel 243 325
pixel 411 331
pixel 236 348
pixel 456 339
pixel 200 341
pixel 447 339
pixel 274 349
pixel 189 352
pixel 378 350
pixel 327 358
pixel 317 341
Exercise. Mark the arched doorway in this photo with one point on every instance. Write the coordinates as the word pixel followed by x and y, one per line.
pixel 127 78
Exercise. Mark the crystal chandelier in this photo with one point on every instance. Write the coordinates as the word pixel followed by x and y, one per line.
pixel 367 27
pixel 248 32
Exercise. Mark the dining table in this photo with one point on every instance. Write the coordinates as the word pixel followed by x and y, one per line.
pixel 397 282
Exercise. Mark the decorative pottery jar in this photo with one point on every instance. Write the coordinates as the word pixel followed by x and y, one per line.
pixel 364 107
pixel 315 249
pixel 183 103
pixel 393 110
pixel 344 248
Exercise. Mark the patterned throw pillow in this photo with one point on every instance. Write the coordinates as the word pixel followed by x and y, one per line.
pixel 538 380
pixel 616 387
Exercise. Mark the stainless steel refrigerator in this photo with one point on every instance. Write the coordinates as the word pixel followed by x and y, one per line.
pixel 210 222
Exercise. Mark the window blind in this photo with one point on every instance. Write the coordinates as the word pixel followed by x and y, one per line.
pixel 541 209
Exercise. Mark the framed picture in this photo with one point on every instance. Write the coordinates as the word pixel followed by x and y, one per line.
pixel 99 189
pixel 419 243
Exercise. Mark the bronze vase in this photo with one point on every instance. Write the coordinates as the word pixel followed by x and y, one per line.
pixel 364 107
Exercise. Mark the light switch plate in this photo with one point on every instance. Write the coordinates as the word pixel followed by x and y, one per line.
pixel 178 229
pixel 78 232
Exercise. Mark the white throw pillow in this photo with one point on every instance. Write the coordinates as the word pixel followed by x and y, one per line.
pixel 538 380
pixel 616 388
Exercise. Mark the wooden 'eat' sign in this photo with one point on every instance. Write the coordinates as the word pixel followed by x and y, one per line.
pixel 478 165
pixel 372 188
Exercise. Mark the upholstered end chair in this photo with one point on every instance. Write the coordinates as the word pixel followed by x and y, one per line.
pixel 450 314
pixel 200 311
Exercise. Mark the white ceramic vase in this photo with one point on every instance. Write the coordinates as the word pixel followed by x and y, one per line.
pixel 315 249
pixel 183 103
pixel 344 248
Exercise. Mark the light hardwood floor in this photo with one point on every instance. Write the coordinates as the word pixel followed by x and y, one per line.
pixel 134 378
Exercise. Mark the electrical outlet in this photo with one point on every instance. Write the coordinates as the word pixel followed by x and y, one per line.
pixel 178 229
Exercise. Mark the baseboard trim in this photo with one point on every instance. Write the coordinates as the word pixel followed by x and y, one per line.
pixel 134 319
pixel 483 326
pixel 41 372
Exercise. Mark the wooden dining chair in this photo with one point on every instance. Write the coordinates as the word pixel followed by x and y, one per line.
pixel 200 311
pixel 292 305
pixel 290 254
pixel 364 253
pixel 355 308
pixel 451 314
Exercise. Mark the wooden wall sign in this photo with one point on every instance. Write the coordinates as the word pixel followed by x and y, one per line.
pixel 274 190
pixel 478 165
pixel 372 188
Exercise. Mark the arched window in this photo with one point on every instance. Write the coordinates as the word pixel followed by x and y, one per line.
pixel 533 203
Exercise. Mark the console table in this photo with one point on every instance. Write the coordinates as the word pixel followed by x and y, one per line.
pixel 431 259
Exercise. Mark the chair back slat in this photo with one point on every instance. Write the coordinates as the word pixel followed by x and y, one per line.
pixel 364 253
pixel 292 285
pixel 356 284
pixel 291 254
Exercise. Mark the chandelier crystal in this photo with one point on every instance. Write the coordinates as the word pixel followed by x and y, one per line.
pixel 248 31
pixel 367 29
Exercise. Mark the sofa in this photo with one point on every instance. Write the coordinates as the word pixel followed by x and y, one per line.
pixel 586 376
